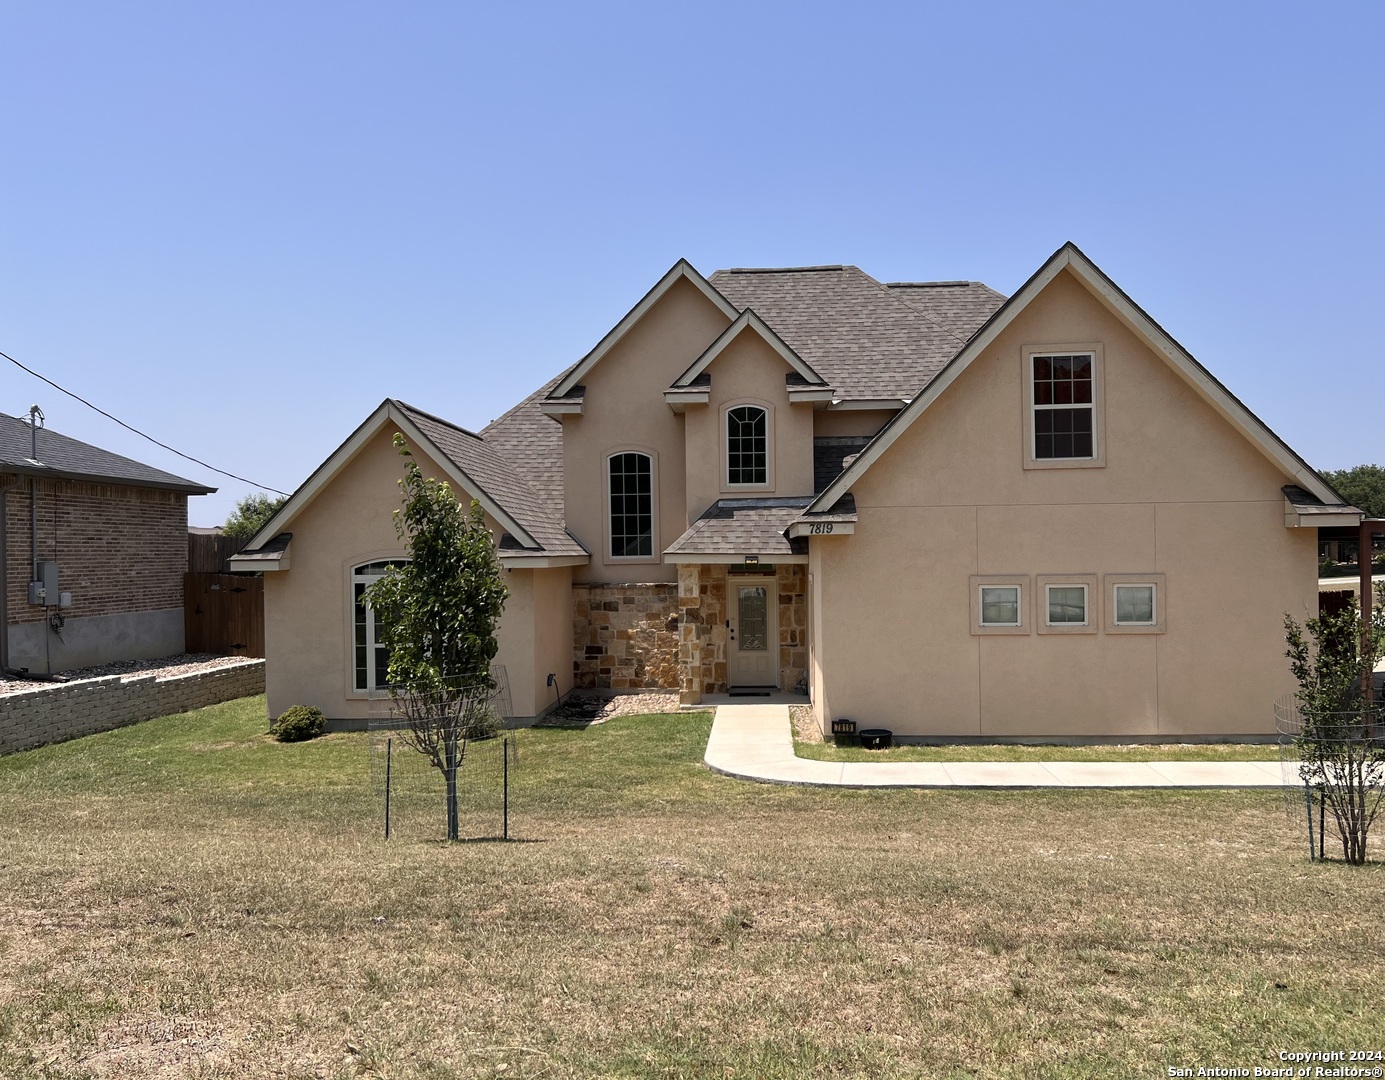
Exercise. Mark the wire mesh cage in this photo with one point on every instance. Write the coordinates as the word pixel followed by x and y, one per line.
pixel 1333 766
pixel 417 739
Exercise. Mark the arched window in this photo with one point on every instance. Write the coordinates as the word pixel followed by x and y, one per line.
pixel 747 446
pixel 372 660
pixel 631 486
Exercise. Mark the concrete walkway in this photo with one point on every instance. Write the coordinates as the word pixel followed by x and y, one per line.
pixel 755 742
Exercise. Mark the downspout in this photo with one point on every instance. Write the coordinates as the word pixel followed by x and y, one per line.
pixel 13 485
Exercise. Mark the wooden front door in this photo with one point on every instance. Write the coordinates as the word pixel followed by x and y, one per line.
pixel 753 634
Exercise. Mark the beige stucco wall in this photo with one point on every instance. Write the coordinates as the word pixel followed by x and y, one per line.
pixel 1182 494
pixel 842 422
pixel 624 409
pixel 748 372
pixel 308 628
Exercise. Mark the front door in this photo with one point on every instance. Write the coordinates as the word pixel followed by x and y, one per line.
pixel 753 632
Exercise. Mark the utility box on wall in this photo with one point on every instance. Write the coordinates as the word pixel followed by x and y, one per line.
pixel 45 590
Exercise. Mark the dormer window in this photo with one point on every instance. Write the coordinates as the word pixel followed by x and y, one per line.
pixel 747 446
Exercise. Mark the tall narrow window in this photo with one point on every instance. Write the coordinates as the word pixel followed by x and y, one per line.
pixel 632 505
pixel 747 446
pixel 1064 408
pixel 372 659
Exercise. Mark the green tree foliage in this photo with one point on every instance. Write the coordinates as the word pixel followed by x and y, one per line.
pixel 1339 731
pixel 1362 486
pixel 252 513
pixel 439 613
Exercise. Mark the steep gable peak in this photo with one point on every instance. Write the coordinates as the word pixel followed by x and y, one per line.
pixel 682 270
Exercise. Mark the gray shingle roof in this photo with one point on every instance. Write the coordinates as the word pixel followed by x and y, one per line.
pixel 532 442
pixel 742 527
pixel 862 337
pixel 499 479
pixel 961 306
pixel 831 454
pixel 60 455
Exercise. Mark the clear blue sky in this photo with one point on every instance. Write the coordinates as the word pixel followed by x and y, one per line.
pixel 240 226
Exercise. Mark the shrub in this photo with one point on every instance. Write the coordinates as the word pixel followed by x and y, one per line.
pixel 299 723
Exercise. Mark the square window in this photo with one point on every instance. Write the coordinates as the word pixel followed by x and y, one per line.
pixel 1000 605
pixel 1067 605
pixel 1134 605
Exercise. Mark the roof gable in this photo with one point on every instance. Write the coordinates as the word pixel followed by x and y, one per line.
pixel 470 465
pixel 748 321
pixel 1069 257
pixel 682 270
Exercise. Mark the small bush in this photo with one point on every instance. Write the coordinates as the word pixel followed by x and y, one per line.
pixel 299 723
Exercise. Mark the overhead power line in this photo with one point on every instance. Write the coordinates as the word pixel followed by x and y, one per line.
pixel 141 434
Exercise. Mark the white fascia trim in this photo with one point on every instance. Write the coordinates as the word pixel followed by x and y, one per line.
pixel 864 404
pixel 681 269
pixel 1070 258
pixel 343 455
pixel 1294 520
pixel 561 408
pixel 731 560
pixel 748 320
pixel 811 393
pixel 541 562
pixel 267 565
pixel 805 528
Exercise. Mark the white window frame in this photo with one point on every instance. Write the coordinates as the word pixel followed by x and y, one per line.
pixel 726 410
pixel 981 604
pixel 1048 603
pixel 978 582
pixel 1157 582
pixel 1089 586
pixel 371 645
pixel 1153 619
pixel 655 549
pixel 1097 405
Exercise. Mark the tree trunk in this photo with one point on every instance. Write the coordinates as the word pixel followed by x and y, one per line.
pixel 451 773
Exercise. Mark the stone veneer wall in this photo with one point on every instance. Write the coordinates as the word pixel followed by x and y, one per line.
pixel 625 637
pixel 702 638
pixel 55 712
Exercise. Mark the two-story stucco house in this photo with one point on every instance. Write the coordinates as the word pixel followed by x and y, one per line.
pixel 937 510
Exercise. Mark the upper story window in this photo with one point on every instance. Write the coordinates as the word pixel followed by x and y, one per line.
pixel 371 658
pixel 631 486
pixel 747 446
pixel 1064 406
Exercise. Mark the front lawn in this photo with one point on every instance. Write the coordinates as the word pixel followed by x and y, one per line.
pixel 188 898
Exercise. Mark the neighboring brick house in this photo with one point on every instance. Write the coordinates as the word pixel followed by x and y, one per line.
pixel 112 530
pixel 940 510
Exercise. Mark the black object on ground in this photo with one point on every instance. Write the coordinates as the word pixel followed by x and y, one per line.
pixel 876 738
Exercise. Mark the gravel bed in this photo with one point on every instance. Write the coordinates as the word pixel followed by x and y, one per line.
pixel 164 666
pixel 580 709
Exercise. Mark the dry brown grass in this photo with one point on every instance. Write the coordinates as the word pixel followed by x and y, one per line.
pixel 186 899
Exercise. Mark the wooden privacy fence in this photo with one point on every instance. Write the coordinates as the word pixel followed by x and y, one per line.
pixel 224 614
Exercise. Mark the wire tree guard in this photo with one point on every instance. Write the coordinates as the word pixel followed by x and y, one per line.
pixel 1338 758
pixel 421 739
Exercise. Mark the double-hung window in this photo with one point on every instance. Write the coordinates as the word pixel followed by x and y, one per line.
pixel 1064 405
pixel 630 476
pixel 371 659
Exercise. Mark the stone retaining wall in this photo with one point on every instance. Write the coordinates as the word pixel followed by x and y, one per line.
pixel 55 712
pixel 625 637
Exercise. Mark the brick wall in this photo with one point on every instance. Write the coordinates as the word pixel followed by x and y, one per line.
pixel 56 712
pixel 118 549
pixel 625 637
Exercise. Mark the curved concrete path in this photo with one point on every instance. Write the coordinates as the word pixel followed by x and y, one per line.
pixel 755 742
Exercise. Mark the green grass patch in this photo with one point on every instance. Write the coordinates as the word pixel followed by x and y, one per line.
pixel 186 897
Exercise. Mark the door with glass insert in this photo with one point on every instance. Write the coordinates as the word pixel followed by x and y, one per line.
pixel 753 633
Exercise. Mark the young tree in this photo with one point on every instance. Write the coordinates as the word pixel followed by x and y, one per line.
pixel 251 514
pixel 439 612
pixel 1339 732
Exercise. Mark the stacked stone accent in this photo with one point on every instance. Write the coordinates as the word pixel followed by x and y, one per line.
pixel 56 712
pixel 702 593
pixel 625 637
pixel 793 623
pixel 702 639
